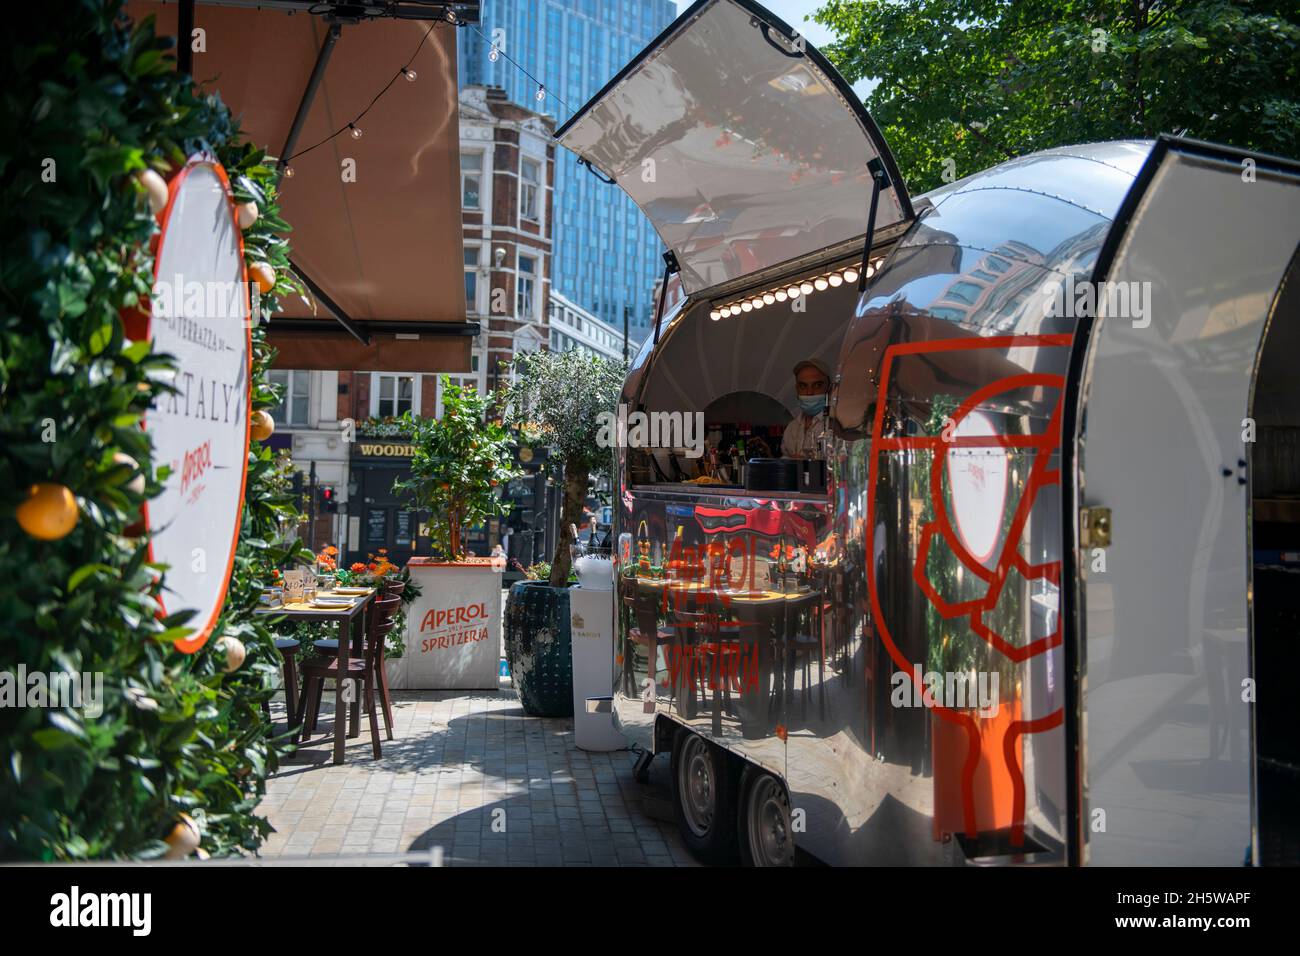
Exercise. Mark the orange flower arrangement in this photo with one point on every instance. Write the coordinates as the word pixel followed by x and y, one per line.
pixel 325 560
pixel 357 567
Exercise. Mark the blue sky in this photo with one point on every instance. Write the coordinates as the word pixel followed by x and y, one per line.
pixel 793 13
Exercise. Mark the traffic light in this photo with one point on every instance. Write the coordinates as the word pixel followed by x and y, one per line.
pixel 327 503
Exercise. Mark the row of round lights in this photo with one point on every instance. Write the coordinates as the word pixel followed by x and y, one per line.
pixel 792 291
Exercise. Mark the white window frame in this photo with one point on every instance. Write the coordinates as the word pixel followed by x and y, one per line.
pixel 480 173
pixel 376 377
pixel 472 307
pixel 530 313
pixel 530 187
pixel 294 376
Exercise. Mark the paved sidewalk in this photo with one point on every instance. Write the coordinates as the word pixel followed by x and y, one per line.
pixel 466 771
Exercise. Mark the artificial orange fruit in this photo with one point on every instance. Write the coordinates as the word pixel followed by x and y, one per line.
pixel 234 651
pixel 263 425
pixel 134 484
pixel 263 275
pixel 183 840
pixel 49 512
pixel 156 187
pixel 247 214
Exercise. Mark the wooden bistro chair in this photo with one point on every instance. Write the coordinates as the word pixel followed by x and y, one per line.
pixel 382 613
pixel 369 669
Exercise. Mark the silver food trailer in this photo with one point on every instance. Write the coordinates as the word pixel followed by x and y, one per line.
pixel 1023 618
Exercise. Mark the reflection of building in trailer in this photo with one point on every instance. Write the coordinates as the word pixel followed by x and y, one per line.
pixel 1018 626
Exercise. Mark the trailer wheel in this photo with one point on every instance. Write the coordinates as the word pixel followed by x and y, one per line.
pixel 704 798
pixel 766 836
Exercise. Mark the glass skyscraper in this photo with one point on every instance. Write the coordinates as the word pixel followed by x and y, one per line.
pixel 607 256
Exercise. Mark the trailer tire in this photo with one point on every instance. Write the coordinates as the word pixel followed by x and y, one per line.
pixel 763 828
pixel 704 798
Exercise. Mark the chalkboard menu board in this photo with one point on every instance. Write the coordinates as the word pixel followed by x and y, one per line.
pixel 376 528
pixel 402 536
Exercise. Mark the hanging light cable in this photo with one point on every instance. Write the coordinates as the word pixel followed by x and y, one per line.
pixel 352 128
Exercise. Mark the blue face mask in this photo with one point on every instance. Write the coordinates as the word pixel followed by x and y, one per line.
pixel 812 404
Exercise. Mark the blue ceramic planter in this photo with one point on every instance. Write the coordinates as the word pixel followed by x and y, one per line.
pixel 539 648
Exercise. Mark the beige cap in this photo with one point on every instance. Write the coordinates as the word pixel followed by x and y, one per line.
pixel 818 364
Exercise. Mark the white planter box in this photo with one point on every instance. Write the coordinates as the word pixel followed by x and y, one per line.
pixel 395 671
pixel 453 629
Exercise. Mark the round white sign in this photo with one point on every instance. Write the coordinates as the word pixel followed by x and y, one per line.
pixel 977 483
pixel 199 315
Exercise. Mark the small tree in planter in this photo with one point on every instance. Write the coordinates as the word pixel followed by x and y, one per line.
pixel 460 462
pixel 557 398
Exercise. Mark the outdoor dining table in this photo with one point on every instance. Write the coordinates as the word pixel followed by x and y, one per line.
pixel 350 618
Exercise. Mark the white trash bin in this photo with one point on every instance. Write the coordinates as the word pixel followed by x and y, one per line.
pixel 591 624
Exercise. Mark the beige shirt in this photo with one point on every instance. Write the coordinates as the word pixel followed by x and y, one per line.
pixel 803 436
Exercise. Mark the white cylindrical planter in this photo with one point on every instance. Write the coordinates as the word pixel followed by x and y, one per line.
pixel 591 626
pixel 453 629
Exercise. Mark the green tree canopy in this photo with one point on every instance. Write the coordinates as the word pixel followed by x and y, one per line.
pixel 980 81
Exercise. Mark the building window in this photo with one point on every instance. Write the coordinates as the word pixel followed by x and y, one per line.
pixel 464 381
pixel 391 395
pixel 529 183
pixel 966 292
pixel 471 278
pixel 524 288
pixel 471 179
pixel 296 385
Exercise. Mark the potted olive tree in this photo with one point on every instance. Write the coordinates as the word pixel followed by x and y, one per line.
pixel 461 462
pixel 557 400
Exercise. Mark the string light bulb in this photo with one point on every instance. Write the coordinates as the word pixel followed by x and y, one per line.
pixel 409 74
pixel 541 92
pixel 288 172
pixel 493 54
pixel 804 287
pixel 356 130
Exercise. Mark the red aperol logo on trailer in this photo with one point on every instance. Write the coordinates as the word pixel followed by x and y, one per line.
pixel 975 435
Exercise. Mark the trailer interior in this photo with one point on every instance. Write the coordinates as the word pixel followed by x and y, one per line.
pixel 1275 533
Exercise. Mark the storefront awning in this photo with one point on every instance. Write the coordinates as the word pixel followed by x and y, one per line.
pixel 377 240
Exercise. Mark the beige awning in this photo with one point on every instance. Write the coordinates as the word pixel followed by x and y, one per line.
pixel 385 250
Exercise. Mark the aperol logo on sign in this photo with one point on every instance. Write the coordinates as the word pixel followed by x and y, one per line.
pixel 441 628
pixel 200 427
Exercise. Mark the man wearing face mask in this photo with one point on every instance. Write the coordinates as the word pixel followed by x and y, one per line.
pixel 803 436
